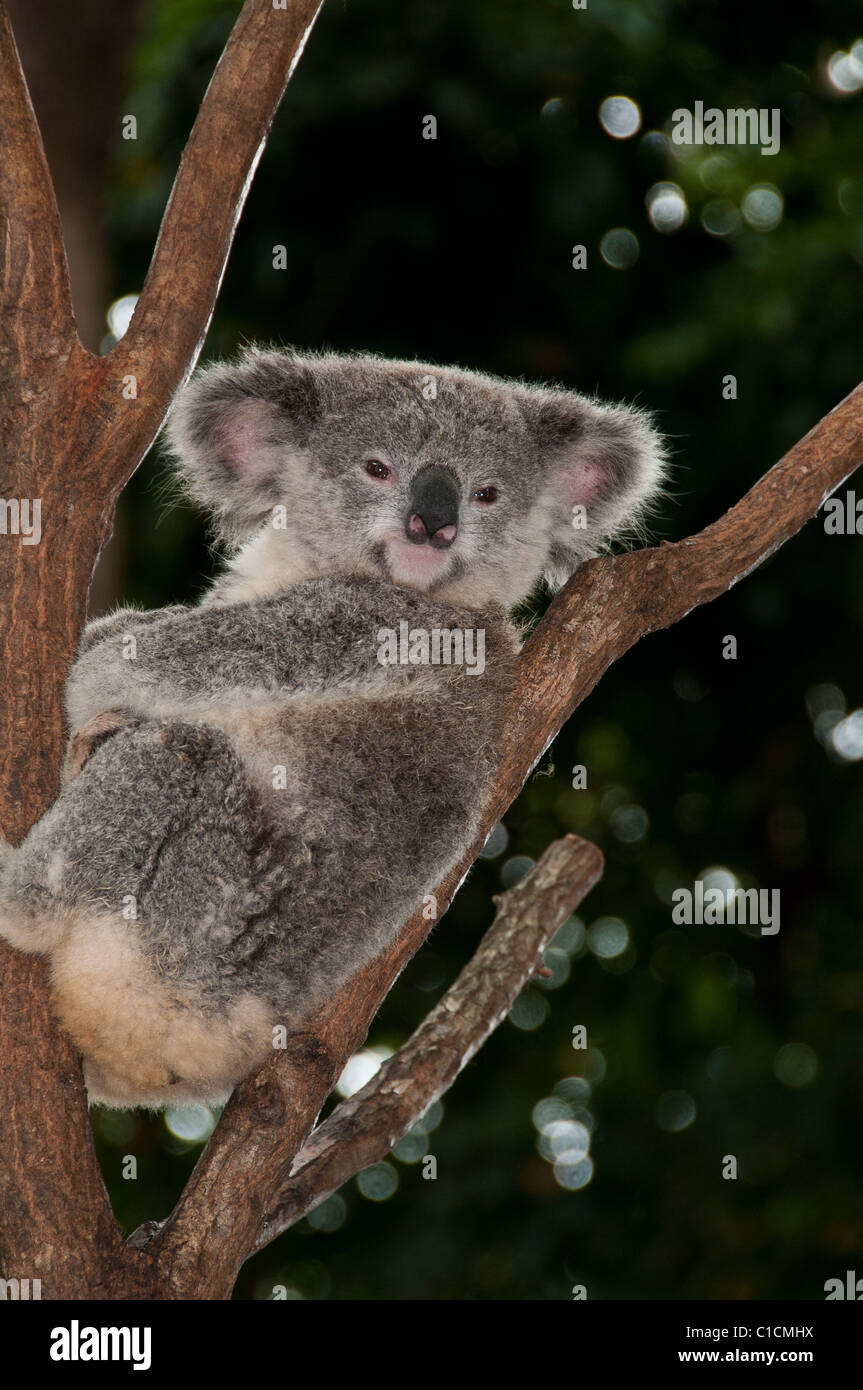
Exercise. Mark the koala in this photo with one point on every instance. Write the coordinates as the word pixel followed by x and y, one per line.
pixel 261 788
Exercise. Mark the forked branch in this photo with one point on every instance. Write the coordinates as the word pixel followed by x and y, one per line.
pixel 74 430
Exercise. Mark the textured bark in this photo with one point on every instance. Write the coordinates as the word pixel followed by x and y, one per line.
pixel 363 1129
pixel 70 438
pixel 218 1222
pixel 63 48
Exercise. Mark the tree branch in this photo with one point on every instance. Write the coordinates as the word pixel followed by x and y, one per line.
pixel 72 433
pixel 362 1130
pixel 175 306
pixel 608 605
pixel 247 1175
pixel 35 277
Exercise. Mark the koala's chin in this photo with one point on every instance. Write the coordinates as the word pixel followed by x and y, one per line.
pixel 419 567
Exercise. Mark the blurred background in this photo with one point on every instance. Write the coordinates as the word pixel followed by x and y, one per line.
pixel 558 1166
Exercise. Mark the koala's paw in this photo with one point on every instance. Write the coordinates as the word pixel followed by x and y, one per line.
pixel 91 736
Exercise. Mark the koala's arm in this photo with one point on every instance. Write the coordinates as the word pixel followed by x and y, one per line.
pixel 317 637
pixel 112 624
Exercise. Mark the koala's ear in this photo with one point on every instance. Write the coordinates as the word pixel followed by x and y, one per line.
pixel 601 466
pixel 233 429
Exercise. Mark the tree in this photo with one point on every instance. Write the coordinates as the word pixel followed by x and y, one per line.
pixel 77 426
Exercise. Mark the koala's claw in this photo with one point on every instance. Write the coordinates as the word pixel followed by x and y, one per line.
pixel 91 736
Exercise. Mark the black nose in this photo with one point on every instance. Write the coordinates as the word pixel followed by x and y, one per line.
pixel 433 508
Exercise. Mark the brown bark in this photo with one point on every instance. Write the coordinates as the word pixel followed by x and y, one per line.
pixel 218 1222
pixel 75 59
pixel 71 438
pixel 363 1129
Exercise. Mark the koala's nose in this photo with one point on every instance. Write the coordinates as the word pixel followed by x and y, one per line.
pixel 433 508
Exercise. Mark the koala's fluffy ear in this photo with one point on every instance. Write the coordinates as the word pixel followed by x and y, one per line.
pixel 602 466
pixel 233 429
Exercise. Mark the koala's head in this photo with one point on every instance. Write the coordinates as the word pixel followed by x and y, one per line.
pixel 451 481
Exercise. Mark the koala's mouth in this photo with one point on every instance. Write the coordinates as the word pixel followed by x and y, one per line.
pixel 420 566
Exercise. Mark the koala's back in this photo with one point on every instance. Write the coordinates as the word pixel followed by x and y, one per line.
pixel 158 826
pixel 215 874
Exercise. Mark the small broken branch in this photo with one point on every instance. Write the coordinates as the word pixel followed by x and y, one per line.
pixel 363 1129
pixel 254 1172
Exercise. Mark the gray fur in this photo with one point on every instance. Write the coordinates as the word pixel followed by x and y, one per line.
pixel 246 890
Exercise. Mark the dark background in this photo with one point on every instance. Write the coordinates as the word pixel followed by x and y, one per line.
pixel 705 1041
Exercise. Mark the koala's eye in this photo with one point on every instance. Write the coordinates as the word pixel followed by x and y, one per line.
pixel 376 468
pixel 484 495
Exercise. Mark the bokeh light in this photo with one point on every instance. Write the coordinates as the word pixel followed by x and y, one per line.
pixel 845 70
pixel 607 937
pixel 762 207
pixel 846 737
pixel 666 207
pixel 120 313
pixel 361 1068
pixel 620 117
pixel 192 1123
pixel 675 1111
pixel 331 1215
pixel 513 870
pixel 496 843
pixel 619 248
pixel 720 217
pixel 529 1011
pixel 795 1064
pixel 379 1182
